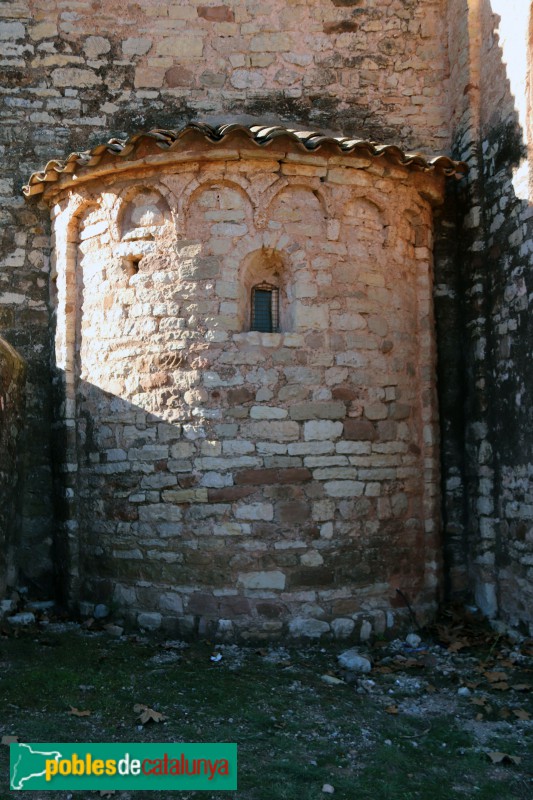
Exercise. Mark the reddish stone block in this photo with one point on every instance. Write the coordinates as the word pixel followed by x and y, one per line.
pixel 312 576
pixel 387 430
pixel 344 26
pixel 178 76
pixel 294 475
pixel 216 13
pixel 345 607
pixel 359 429
pixel 234 606
pixel 293 511
pixel 229 494
pixel 123 511
pixel 256 477
pixel 270 610
pixel 237 397
pixel 155 381
pixel 345 393
pixel 202 604
pixel 400 411
pixel 198 558
pixel 262 477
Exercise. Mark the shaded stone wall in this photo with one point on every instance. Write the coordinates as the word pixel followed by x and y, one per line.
pixel 74 75
pixel 11 420
pixel 230 481
pixel 426 75
pixel 509 242
pixel 487 446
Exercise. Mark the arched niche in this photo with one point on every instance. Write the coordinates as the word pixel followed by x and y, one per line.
pixel 143 215
pixel 299 211
pixel 364 228
pixel 265 268
pixel 218 210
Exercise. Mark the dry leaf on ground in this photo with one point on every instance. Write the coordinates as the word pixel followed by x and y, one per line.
pixel 7 740
pixel 520 713
pixel 147 714
pixel 77 713
pixel 494 677
pixel 456 646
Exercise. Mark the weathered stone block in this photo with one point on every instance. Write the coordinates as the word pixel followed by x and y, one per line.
pixel 180 46
pixel 229 494
pixel 273 476
pixel 255 511
pixel 292 512
pixel 323 429
pixel 313 577
pixel 216 13
pixel 359 429
pixel 308 628
pixel 200 269
pixel 151 621
pixel 344 488
pixel 262 580
pixel 72 76
pixel 309 411
pixel 171 602
pixel 342 627
pixel 275 431
pixel 268 412
pixel 160 512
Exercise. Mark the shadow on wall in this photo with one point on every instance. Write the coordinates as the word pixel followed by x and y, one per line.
pixel 12 379
pixel 485 329
pixel 177 527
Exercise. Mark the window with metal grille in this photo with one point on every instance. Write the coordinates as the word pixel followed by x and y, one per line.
pixel 265 308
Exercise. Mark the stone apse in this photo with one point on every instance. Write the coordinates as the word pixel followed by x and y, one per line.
pixel 245 362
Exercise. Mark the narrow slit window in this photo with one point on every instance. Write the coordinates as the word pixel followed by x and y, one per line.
pixel 265 308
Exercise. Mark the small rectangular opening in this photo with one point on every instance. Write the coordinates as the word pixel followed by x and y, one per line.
pixel 265 308
pixel 132 264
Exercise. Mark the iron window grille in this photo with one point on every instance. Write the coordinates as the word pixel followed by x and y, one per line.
pixel 265 308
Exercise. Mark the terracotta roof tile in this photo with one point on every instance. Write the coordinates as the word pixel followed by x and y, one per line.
pixel 259 134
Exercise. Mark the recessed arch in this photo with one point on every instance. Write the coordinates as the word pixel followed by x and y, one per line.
pixel 142 212
pixel 262 268
pixel 299 209
pixel 217 208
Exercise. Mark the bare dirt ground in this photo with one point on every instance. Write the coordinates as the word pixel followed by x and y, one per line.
pixel 451 717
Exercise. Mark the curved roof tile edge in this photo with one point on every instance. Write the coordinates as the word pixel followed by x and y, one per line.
pixel 261 135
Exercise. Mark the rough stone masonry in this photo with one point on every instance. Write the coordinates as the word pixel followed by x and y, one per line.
pixel 222 479
pixel 401 72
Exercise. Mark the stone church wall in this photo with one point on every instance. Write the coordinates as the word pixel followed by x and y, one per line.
pixel 11 422
pixel 428 75
pixel 231 481
pixel 485 289
pixel 75 75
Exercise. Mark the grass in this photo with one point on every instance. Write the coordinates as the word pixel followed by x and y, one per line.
pixel 294 732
